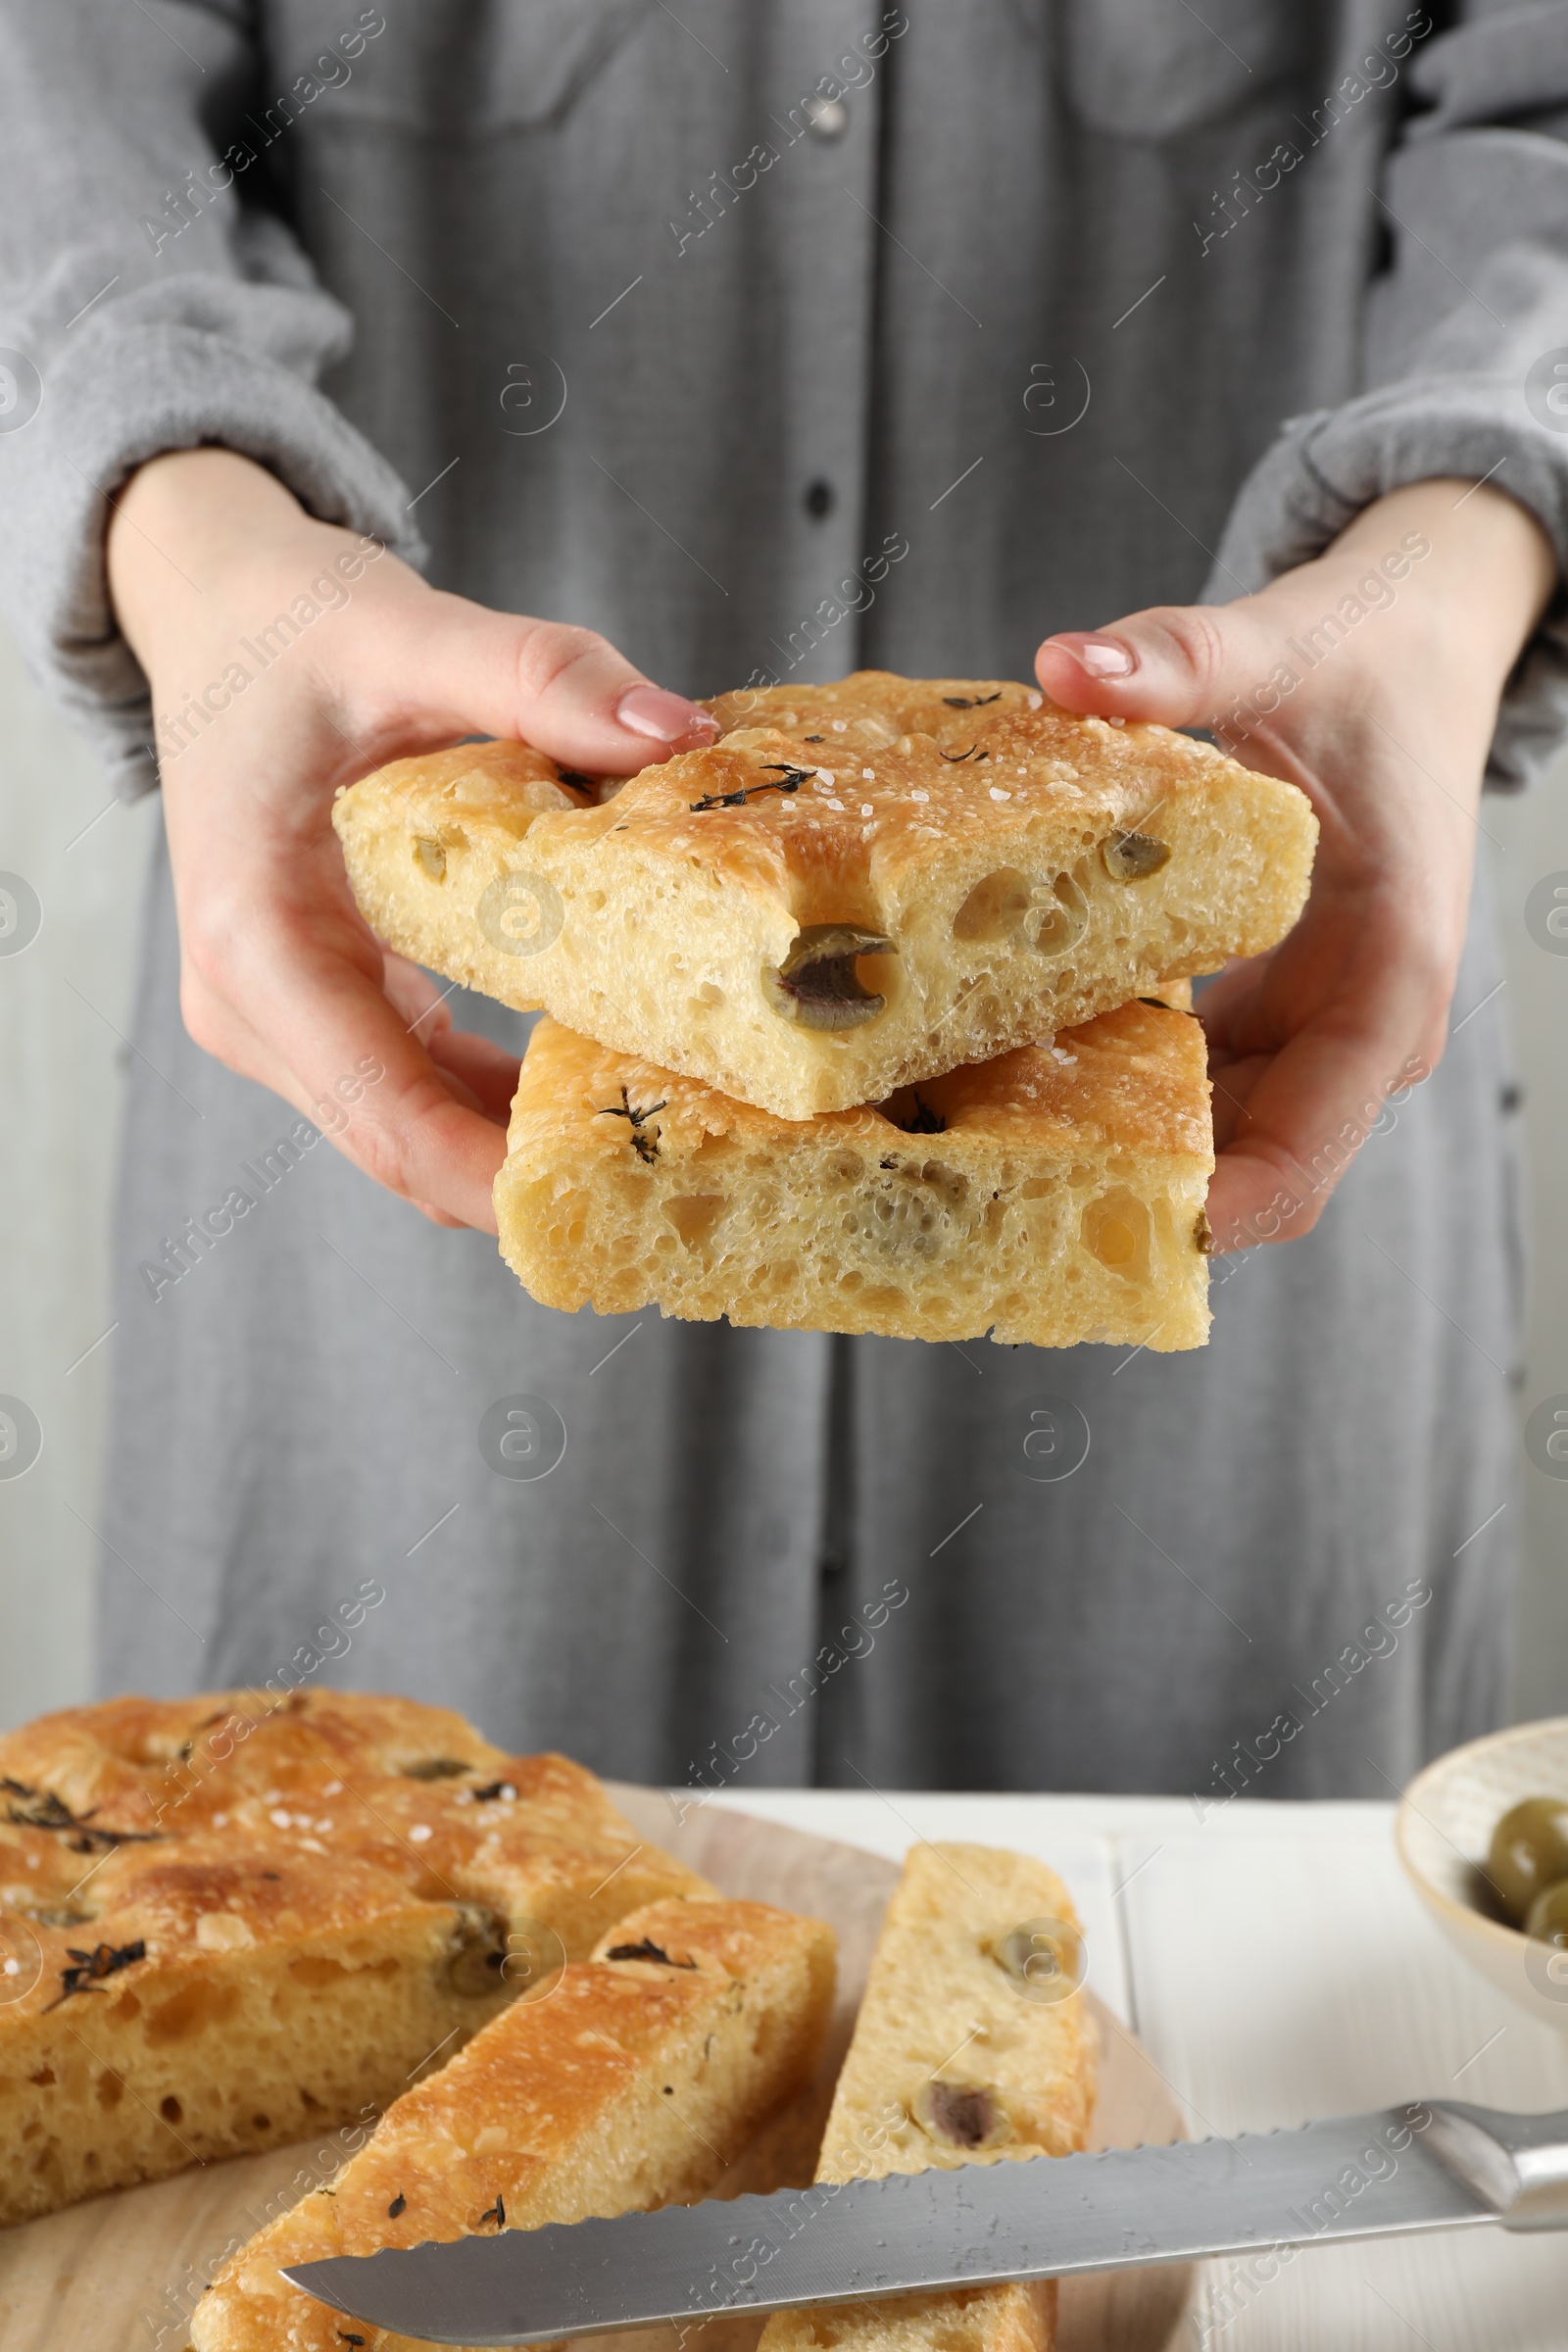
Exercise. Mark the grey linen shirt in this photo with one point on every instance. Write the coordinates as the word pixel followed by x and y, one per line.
pixel 772 340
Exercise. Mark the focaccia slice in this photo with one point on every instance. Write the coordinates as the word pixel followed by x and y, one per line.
pixel 857 888
pixel 1052 1196
pixel 636 2082
pixel 960 2056
pixel 245 1917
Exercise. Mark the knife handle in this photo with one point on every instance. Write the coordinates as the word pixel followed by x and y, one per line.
pixel 1517 2164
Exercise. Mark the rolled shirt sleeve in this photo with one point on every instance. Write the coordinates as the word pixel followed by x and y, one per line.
pixel 149 301
pixel 1463 329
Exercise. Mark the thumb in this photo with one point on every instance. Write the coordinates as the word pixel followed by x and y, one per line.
pixel 1184 665
pixel 566 690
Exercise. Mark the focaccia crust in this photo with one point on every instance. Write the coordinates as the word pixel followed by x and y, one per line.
pixel 1009 870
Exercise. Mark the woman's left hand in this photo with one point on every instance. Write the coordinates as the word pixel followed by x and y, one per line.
pixel 1432 591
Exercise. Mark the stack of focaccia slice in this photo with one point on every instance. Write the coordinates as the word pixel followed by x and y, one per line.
pixel 232 1921
pixel 638 2081
pixel 869 1017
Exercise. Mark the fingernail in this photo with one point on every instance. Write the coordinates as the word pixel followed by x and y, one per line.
pixel 665 718
pixel 1102 656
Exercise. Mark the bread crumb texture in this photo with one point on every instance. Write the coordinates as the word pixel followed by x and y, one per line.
pixel 1053 1195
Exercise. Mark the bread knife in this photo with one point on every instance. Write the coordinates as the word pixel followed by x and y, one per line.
pixel 1443 2166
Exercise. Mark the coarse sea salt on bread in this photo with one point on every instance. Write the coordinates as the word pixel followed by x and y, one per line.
pixel 248 1916
pixel 1051 1195
pixel 858 888
pixel 638 2081
pixel 961 2055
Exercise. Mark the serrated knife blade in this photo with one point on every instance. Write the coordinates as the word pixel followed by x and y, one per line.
pixel 1440 2165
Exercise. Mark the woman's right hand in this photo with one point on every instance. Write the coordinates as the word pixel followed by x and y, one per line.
pixel 280 976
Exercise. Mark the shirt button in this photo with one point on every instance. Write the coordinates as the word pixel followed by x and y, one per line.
pixel 829 117
pixel 820 500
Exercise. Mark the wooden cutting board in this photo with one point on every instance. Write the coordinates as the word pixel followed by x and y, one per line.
pixel 119 2274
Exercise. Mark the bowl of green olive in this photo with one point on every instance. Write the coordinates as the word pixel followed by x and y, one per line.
pixel 1482 1834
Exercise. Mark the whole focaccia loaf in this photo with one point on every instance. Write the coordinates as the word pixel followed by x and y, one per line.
pixel 245 1917
pixel 961 2055
pixel 859 887
pixel 637 2081
pixel 1051 1195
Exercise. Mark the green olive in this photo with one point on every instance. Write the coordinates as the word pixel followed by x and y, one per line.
pixel 1529 1852
pixel 1549 1915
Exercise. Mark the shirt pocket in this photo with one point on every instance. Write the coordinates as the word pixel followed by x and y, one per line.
pixel 458 68
pixel 1149 69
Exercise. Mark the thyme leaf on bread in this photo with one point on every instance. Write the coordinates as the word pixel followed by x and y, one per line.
pixel 37 1808
pixel 90 1968
pixel 40 1809
pixel 646 1949
pixel 794 778
pixel 646 1146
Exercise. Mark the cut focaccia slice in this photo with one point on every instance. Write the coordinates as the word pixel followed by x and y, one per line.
pixel 1052 1196
pixel 636 2082
pixel 973 2046
pixel 859 887
pixel 243 1917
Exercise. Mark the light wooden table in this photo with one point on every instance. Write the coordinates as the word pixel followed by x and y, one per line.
pixel 1276 1966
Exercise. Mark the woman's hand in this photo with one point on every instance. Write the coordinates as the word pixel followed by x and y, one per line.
pixel 1385 727
pixel 280 976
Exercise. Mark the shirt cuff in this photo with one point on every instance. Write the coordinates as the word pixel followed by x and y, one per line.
pixel 1326 466
pixel 128 391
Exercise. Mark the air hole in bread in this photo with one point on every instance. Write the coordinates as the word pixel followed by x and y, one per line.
pixel 191 2010
pixel 1064 923
pixel 994 908
pixel 1116 1230
pixel 315 1971
pixel 694 1217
